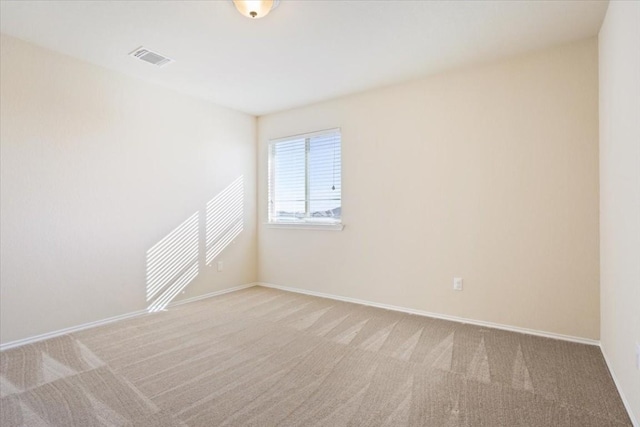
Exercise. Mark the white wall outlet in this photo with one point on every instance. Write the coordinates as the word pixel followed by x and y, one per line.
pixel 638 355
pixel 457 283
pixel 220 265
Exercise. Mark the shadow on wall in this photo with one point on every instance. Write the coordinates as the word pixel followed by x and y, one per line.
pixel 174 261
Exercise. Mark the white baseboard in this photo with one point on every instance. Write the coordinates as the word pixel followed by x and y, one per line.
pixel 626 403
pixel 213 294
pixel 59 332
pixel 436 315
pixel 72 329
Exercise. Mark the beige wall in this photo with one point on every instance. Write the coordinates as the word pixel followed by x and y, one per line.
pixel 96 169
pixel 489 173
pixel 620 194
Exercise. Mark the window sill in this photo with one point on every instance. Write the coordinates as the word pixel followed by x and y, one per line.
pixel 305 226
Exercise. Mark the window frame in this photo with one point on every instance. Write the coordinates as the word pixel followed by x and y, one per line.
pixel 308 223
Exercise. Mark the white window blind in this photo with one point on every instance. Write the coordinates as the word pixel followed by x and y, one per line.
pixel 305 183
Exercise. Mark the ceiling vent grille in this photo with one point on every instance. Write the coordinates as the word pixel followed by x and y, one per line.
pixel 151 57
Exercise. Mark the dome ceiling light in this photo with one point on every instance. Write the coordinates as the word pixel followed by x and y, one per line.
pixel 255 9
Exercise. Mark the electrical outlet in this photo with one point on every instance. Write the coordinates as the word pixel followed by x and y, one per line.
pixel 220 265
pixel 457 283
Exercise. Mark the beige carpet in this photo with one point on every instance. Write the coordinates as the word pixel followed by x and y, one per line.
pixel 262 357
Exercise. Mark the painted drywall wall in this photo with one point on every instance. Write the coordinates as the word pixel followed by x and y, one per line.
pixel 97 169
pixel 488 173
pixel 619 52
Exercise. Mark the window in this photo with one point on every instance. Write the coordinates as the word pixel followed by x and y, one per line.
pixel 305 184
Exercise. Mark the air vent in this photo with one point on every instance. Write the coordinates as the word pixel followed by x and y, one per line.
pixel 151 57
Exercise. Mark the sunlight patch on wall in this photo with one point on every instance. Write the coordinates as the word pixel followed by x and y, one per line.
pixel 224 218
pixel 172 263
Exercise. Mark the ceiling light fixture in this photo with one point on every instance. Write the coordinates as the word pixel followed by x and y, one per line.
pixel 255 9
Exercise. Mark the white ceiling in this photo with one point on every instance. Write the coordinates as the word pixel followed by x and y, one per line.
pixel 304 51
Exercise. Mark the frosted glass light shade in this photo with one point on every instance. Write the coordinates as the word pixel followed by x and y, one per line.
pixel 255 9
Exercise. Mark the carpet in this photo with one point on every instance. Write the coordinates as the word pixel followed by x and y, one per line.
pixel 265 357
